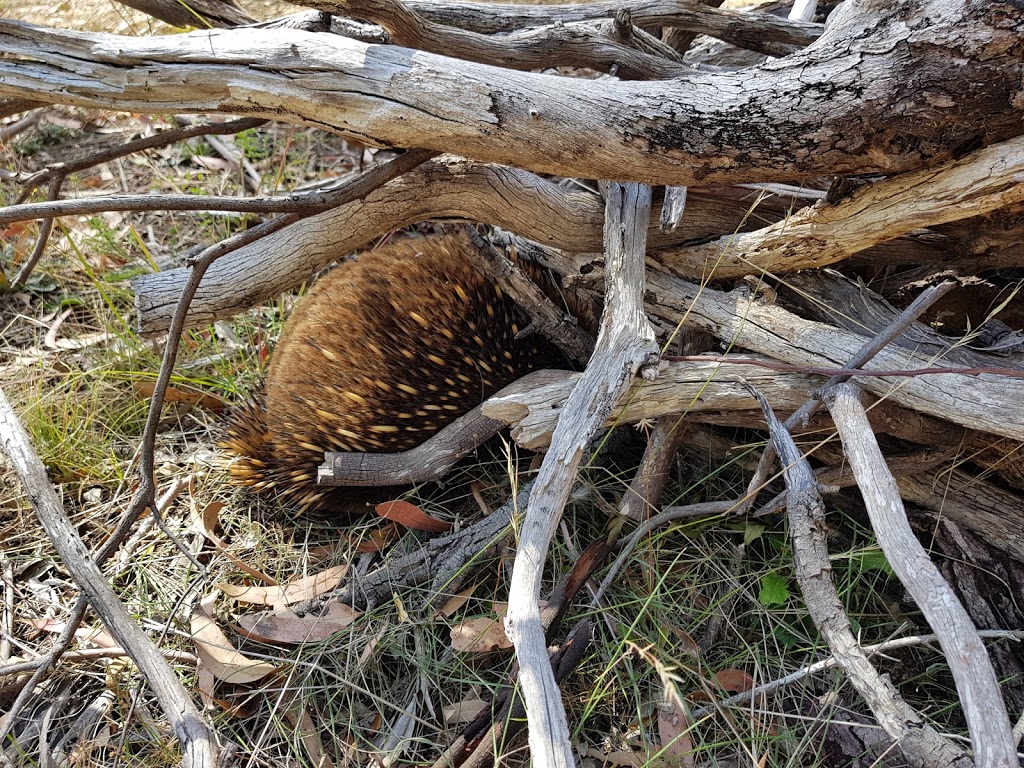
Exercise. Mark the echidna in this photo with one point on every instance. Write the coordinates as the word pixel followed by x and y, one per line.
pixel 385 350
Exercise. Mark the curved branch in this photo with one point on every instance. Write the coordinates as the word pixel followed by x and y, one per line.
pixel 601 45
pixel 446 189
pixel 889 87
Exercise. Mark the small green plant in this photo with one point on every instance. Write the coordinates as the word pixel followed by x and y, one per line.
pixel 47 135
pixel 254 144
pixel 774 589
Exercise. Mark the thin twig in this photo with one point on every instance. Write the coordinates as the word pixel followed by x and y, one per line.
pixel 66 638
pixel 157 140
pixel 832 662
pixel 45 228
pixel 9 131
pixel 306 203
pixel 671 514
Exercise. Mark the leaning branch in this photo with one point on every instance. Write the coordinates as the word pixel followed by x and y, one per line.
pixel 624 344
pixel 198 743
pixel 921 744
pixel 820 235
pixel 972 670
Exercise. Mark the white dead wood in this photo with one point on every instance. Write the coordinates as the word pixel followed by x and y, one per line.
pixel 880 67
pixel 816 236
pixel 743 29
pixel 921 744
pixel 447 188
pixel 624 344
pixel 604 45
pixel 987 402
pixel 678 388
pixel 972 670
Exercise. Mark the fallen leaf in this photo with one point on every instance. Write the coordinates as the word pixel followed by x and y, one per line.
pixel 213 647
pixel 456 601
pixel 182 395
pixel 285 627
pixel 411 516
pixel 379 539
pixel 620 758
pixel 206 683
pixel 464 711
pixel 673 730
pixel 686 643
pixel 297 591
pixel 309 735
pixel 734 680
pixel 481 635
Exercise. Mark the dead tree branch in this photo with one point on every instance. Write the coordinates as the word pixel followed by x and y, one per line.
pixel 817 236
pixel 199 744
pixel 920 743
pixel 624 344
pixel 888 88
pixel 975 678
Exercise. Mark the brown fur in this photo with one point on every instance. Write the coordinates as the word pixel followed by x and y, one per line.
pixel 384 350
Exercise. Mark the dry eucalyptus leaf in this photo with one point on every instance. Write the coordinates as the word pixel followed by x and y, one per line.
pixel 216 651
pixel 287 627
pixel 481 635
pixel 297 591
pixel 673 730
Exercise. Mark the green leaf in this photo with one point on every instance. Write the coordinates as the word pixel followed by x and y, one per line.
pixel 752 532
pixel 774 589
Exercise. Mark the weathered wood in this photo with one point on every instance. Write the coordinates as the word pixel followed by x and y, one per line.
pixel 624 343
pixel 987 402
pixel 431 460
pixel 889 87
pixel 199 747
pixel 922 745
pixel 742 29
pixel 679 388
pixel 193 13
pixel 514 200
pixel 817 236
pixel 602 45
pixel 976 682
